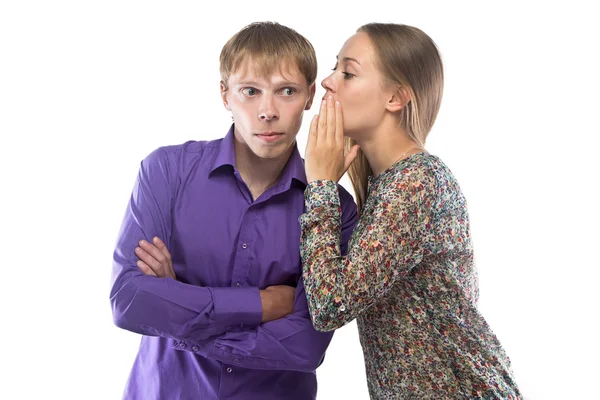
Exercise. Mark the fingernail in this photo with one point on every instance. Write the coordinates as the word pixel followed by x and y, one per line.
pixel 137 249
pixel 142 242
pixel 330 98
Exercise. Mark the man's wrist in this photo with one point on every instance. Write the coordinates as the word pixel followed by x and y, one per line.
pixel 265 301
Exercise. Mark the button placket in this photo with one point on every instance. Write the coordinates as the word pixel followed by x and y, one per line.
pixel 243 254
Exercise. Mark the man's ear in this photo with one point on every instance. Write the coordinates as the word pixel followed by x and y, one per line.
pixel 312 90
pixel 223 88
pixel 398 99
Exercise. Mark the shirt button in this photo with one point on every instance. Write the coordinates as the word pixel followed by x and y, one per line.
pixel 195 348
pixel 182 345
pixel 244 246
pixel 238 284
pixel 342 308
pixel 229 370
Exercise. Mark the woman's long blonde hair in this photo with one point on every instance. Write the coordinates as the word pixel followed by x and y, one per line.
pixel 407 58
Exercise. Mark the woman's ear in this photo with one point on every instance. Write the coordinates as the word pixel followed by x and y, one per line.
pixel 398 99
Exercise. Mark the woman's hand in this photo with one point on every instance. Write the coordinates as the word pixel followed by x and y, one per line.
pixel 324 157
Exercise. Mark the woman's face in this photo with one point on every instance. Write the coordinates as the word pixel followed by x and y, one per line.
pixel 359 86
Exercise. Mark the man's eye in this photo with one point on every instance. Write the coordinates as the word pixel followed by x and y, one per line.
pixel 250 91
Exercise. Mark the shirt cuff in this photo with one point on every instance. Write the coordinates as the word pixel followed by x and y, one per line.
pixel 322 195
pixel 237 307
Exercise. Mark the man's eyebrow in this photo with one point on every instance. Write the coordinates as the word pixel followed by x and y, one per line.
pixel 248 82
pixel 288 83
pixel 279 83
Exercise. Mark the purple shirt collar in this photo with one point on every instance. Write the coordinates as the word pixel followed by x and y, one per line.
pixel 294 169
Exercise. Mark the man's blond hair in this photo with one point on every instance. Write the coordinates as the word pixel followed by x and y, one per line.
pixel 266 45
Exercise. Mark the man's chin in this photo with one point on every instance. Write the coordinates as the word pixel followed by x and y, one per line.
pixel 272 152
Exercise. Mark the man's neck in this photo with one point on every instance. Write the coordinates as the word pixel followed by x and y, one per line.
pixel 258 173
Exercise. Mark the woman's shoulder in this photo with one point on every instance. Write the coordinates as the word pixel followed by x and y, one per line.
pixel 417 167
pixel 429 165
pixel 423 171
pixel 425 162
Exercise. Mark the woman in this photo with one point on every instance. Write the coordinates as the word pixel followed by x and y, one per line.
pixel 409 276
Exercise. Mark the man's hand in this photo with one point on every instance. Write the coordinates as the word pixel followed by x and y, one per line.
pixel 277 302
pixel 155 259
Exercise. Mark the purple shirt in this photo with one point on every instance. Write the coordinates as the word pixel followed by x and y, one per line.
pixel 203 336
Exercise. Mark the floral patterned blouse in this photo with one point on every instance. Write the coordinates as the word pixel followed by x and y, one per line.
pixel 409 279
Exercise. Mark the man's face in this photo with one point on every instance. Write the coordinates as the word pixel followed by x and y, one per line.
pixel 267 110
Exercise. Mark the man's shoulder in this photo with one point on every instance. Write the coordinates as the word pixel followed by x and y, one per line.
pixel 344 194
pixel 191 147
pixel 190 150
pixel 347 202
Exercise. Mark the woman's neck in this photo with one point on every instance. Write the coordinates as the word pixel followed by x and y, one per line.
pixel 386 146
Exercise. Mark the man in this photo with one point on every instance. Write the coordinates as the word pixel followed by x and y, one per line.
pixel 220 302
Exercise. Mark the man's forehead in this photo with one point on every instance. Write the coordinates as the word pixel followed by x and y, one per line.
pixel 262 70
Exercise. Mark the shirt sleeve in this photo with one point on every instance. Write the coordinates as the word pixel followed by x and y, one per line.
pixel 386 245
pixel 163 306
pixel 289 343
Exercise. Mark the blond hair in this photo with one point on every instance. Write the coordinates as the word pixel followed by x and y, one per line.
pixel 406 57
pixel 267 44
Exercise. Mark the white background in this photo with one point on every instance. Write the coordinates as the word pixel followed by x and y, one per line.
pixel 87 89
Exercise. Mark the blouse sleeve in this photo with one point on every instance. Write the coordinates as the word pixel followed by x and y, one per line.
pixel 386 244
